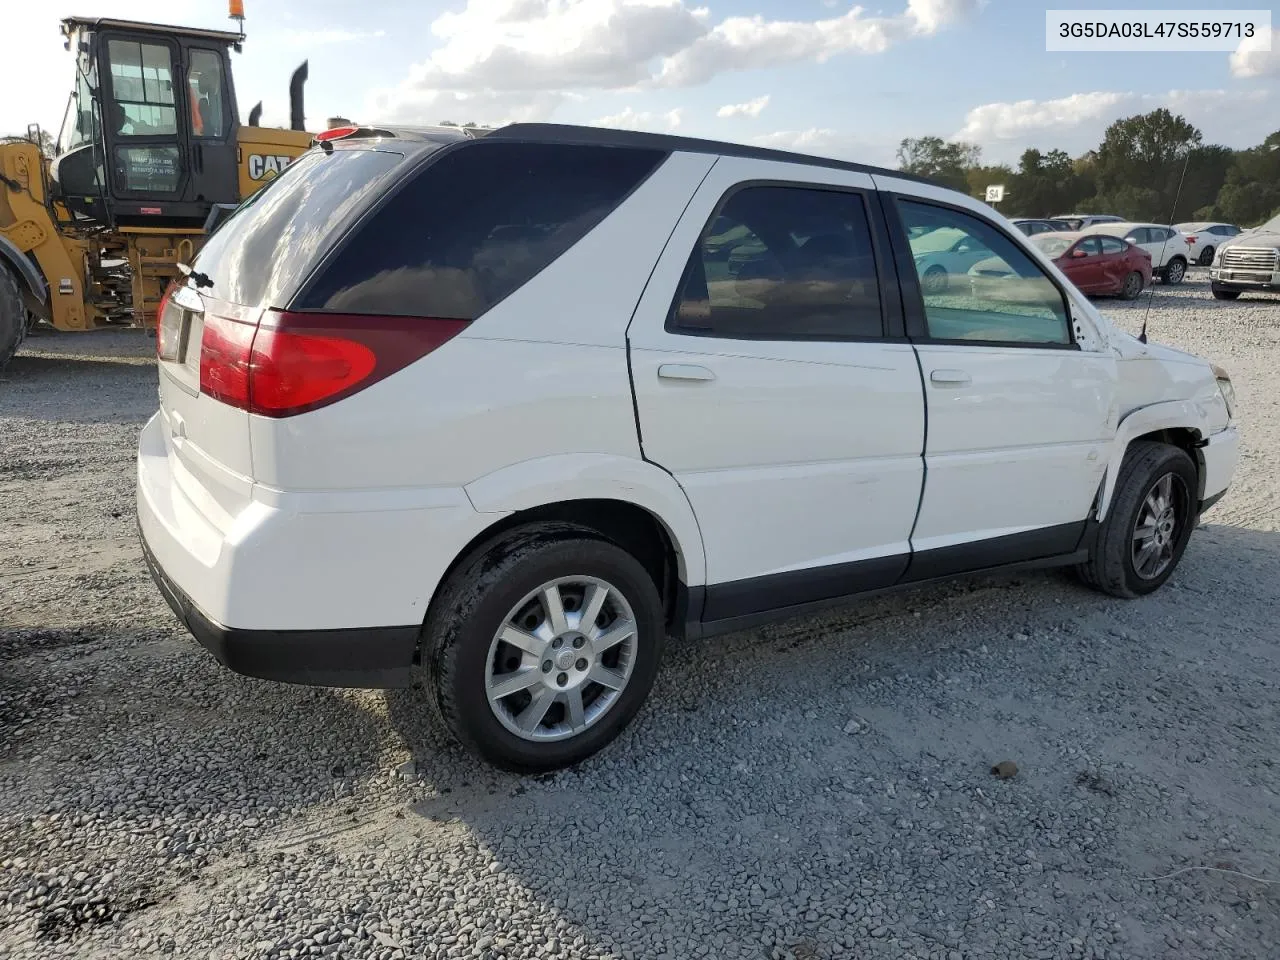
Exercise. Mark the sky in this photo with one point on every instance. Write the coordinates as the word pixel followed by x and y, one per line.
pixel 820 76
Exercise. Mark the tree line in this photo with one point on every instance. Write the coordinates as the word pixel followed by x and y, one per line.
pixel 1151 167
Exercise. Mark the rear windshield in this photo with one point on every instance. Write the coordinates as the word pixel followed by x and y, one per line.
pixel 473 226
pixel 260 254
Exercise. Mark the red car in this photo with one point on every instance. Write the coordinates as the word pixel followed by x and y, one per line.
pixel 1098 264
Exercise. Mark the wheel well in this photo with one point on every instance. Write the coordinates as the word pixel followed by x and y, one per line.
pixel 630 527
pixel 1185 439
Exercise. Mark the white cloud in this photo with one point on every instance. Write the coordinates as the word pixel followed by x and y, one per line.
pixel 1252 59
pixel 307 39
pixel 825 142
pixel 503 47
pixel 629 119
pixel 751 108
pixel 1077 122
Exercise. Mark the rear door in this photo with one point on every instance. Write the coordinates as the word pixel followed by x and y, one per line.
pixel 1019 416
pixel 773 380
pixel 1113 263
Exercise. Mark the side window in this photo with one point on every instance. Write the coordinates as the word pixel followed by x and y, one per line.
pixel 1092 246
pixel 1139 235
pixel 1112 245
pixel 782 263
pixel 475 225
pixel 141 104
pixel 205 92
pixel 977 283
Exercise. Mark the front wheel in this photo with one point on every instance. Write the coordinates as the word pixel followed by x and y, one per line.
pixel 541 649
pixel 13 315
pixel 1132 286
pixel 1175 271
pixel 1152 513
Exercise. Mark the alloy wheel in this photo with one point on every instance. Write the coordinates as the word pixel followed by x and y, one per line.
pixel 1158 526
pixel 561 658
pixel 1174 272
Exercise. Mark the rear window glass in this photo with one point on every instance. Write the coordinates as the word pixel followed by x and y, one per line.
pixel 475 225
pixel 260 254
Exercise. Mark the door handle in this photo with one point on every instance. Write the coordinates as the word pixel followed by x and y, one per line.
pixel 957 378
pixel 684 371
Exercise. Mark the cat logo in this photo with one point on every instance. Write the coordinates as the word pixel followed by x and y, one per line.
pixel 266 167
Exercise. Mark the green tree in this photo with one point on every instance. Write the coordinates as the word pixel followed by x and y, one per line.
pixel 1251 192
pixel 939 160
pixel 981 177
pixel 1140 162
pixel 1047 184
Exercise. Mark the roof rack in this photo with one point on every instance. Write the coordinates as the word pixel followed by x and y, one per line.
pixel 604 136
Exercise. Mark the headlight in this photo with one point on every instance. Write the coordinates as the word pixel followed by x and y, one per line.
pixel 1226 389
pixel 1217 256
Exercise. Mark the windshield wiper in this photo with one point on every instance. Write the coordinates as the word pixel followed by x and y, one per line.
pixel 196 277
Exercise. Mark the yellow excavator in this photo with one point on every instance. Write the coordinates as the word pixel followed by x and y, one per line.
pixel 151 155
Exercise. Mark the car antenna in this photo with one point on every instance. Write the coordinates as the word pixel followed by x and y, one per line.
pixel 1151 294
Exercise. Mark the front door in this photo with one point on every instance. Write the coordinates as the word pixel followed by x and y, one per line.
pixel 142 121
pixel 772 380
pixel 1019 416
pixel 211 115
pixel 1086 271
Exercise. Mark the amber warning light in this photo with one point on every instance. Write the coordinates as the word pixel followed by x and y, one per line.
pixel 235 9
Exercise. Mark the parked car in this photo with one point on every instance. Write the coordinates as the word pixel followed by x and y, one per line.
pixel 505 412
pixel 944 254
pixel 1033 227
pixel 1248 263
pixel 1203 238
pixel 1078 221
pixel 1097 265
pixel 1169 251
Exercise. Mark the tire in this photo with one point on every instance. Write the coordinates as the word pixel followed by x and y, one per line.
pixel 1174 271
pixel 502 587
pixel 936 280
pixel 1132 288
pixel 1117 563
pixel 13 316
pixel 1206 257
pixel 1226 294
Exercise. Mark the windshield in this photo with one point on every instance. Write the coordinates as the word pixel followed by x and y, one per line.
pixel 1271 226
pixel 259 255
pixel 1050 245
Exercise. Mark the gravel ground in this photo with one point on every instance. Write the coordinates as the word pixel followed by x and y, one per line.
pixel 820 788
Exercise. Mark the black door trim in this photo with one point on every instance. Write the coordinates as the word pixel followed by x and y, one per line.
pixel 743 604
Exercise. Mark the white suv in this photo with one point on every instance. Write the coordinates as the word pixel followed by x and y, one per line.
pixel 511 410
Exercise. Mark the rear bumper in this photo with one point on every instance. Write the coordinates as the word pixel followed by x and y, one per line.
pixel 378 657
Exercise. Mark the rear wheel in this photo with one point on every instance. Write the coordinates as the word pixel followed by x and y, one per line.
pixel 1225 294
pixel 1206 256
pixel 1146 530
pixel 542 648
pixel 1132 286
pixel 1175 271
pixel 13 316
pixel 935 280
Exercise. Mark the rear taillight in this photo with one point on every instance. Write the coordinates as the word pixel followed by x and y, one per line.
pixel 294 362
pixel 168 326
pixel 1191 239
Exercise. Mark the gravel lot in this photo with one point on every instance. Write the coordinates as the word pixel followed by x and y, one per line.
pixel 820 788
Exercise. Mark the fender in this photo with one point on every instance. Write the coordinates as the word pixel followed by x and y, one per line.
pixel 1183 414
pixel 11 256
pixel 591 476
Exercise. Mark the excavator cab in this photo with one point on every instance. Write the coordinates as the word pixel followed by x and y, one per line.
pixel 149 136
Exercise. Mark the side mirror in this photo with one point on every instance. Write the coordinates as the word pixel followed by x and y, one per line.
pixel 1078 253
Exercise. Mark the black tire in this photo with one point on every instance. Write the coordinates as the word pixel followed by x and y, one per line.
pixel 13 316
pixel 1225 294
pixel 1174 272
pixel 1110 567
pixel 1206 257
pixel 1132 288
pixel 936 280
pixel 474 604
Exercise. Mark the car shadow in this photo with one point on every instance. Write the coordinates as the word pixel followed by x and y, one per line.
pixel 839 765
